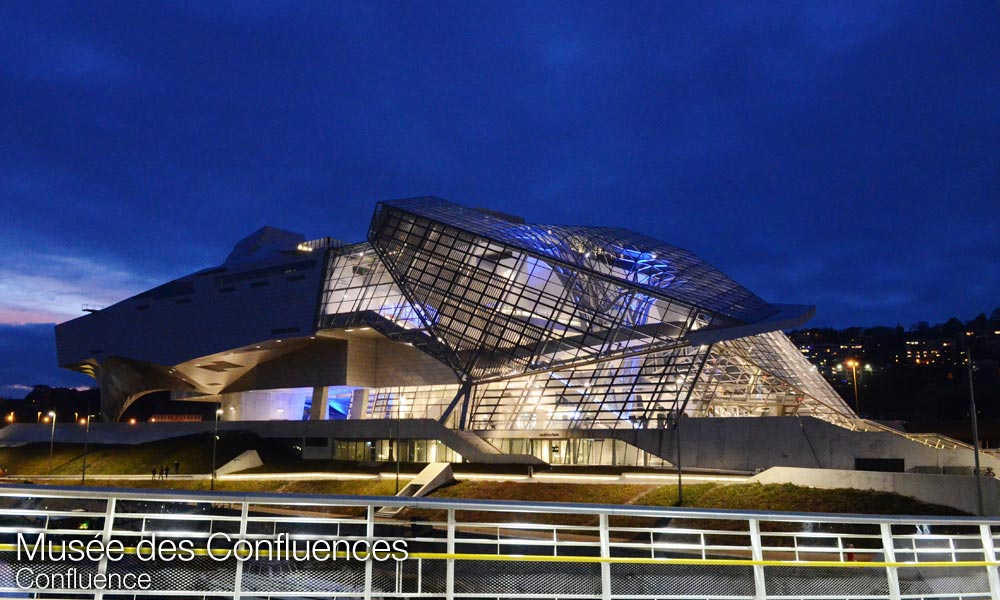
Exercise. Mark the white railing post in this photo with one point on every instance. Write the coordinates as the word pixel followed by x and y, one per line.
pixel 420 576
pixel 889 556
pixel 238 578
pixel 109 523
pixel 605 554
pixel 151 510
pixel 990 553
pixel 757 554
pixel 450 563
pixel 369 564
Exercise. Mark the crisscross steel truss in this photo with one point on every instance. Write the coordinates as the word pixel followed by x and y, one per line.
pixel 563 327
pixel 485 549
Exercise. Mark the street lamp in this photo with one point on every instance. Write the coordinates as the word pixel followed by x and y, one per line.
pixel 975 435
pixel 853 364
pixel 86 442
pixel 52 438
pixel 398 402
pixel 674 422
pixel 215 440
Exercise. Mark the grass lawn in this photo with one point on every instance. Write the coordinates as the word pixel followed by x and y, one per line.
pixel 343 488
pixel 770 497
pixel 795 498
pixel 194 454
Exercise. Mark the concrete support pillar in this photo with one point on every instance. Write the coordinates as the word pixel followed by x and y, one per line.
pixel 359 404
pixel 319 410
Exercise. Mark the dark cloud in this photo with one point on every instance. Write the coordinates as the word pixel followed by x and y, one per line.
pixel 28 358
pixel 842 154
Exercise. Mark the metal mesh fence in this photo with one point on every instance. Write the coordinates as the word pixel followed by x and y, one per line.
pixel 823 582
pixel 482 549
pixel 675 581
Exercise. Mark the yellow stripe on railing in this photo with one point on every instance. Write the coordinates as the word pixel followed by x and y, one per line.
pixel 738 562
pixel 696 561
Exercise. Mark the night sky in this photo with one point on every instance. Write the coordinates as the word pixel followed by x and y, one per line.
pixel 842 154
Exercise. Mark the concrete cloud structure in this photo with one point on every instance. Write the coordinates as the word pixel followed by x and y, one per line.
pixel 467 317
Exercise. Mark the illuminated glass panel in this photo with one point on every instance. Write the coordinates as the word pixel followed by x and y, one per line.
pixel 764 375
pixel 410 402
pixel 561 327
pixel 357 283
pixel 504 311
pixel 633 392
pixel 628 256
pixel 358 291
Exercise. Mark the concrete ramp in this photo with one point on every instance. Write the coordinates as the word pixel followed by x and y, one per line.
pixel 956 491
pixel 429 479
pixel 247 460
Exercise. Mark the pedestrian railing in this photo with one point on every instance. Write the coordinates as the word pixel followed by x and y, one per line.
pixel 227 545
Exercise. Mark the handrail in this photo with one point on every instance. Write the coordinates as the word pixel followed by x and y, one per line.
pixel 464 549
pixel 474 505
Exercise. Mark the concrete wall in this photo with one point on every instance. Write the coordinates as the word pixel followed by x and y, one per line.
pixel 730 444
pixel 312 362
pixel 375 361
pixel 948 490
pixel 196 316
pixel 264 405
pixel 754 443
pixel 471 448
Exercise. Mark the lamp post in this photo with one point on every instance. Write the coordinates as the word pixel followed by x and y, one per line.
pixel 398 423
pixel 975 434
pixel 52 438
pixel 853 364
pixel 86 443
pixel 674 422
pixel 215 440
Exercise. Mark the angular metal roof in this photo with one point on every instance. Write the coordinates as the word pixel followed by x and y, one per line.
pixel 630 257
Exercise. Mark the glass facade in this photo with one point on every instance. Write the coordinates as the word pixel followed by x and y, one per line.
pixel 623 392
pixel 410 402
pixel 764 375
pixel 555 327
pixel 500 310
pixel 360 292
pixel 359 287
pixel 582 452
pixel 421 451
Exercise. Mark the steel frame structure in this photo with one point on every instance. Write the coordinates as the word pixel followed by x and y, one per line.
pixel 555 327
pixel 488 549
